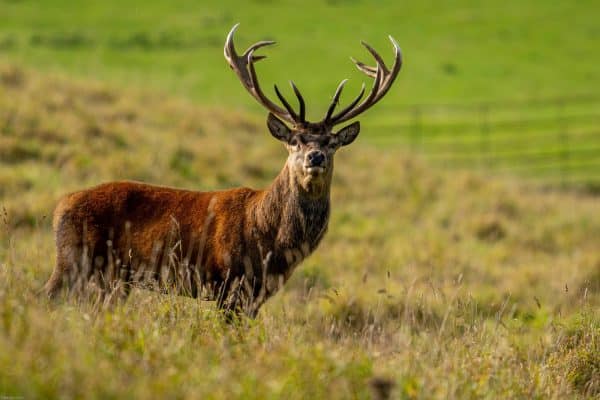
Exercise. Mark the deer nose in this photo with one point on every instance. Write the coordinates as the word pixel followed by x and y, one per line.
pixel 315 158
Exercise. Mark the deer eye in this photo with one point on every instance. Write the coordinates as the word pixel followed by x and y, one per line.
pixel 294 142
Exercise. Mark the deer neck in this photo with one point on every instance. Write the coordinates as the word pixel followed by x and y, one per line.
pixel 293 214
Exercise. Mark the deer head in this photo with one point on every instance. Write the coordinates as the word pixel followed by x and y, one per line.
pixel 312 145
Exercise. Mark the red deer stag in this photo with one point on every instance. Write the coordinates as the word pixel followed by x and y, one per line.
pixel 234 246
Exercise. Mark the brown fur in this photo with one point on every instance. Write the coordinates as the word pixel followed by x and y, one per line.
pixel 237 245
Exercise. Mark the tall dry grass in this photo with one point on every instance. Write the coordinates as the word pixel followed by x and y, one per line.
pixel 429 283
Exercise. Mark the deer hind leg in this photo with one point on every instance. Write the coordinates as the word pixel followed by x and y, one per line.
pixel 55 283
pixel 69 255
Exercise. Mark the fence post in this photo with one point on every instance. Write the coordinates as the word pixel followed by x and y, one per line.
pixel 484 132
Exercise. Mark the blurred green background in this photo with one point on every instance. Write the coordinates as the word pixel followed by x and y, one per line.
pixel 505 85
pixel 455 51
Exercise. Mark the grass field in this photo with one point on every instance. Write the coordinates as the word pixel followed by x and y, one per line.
pixel 456 53
pixel 441 284
pixel 446 283
pixel 555 142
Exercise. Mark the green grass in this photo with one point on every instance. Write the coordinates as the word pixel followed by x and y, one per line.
pixel 555 141
pixel 455 52
pixel 444 284
pixel 460 52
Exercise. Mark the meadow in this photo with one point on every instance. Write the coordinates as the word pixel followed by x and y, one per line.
pixel 455 52
pixel 498 81
pixel 432 282
pixel 444 284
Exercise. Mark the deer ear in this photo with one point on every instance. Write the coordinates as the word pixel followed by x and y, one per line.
pixel 347 134
pixel 278 129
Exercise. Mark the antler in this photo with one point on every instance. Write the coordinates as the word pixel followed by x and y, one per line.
pixel 382 83
pixel 244 68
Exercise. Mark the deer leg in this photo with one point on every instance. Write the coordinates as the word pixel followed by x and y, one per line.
pixel 55 283
pixel 68 258
pixel 228 300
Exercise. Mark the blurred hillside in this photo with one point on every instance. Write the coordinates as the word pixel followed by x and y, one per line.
pixel 455 52
pixel 495 86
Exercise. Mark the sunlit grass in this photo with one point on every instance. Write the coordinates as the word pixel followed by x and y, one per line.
pixel 443 284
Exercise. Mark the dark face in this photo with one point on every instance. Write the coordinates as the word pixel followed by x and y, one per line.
pixel 311 151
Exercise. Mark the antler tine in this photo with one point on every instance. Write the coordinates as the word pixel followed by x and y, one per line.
pixel 377 57
pixel 229 46
pixel 285 103
pixel 300 102
pixel 354 102
pixel 335 100
pixel 257 46
pixel 384 78
pixel 370 71
pixel 370 99
pixel 243 66
pixel 257 92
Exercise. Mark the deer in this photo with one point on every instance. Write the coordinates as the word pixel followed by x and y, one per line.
pixel 236 247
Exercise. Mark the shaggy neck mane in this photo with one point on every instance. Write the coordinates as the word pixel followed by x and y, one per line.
pixel 295 219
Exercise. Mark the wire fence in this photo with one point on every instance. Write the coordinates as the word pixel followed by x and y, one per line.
pixel 556 141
